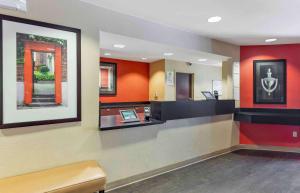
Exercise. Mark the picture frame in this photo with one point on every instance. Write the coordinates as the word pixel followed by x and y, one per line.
pixel 170 78
pixel 40 73
pixel 108 79
pixel 269 81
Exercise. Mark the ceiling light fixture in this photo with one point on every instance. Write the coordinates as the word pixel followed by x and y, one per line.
pixel 202 60
pixel 119 45
pixel 214 19
pixel 144 58
pixel 168 54
pixel 271 40
pixel 107 54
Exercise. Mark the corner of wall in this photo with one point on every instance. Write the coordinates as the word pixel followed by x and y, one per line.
pixel 157 81
pixel 232 51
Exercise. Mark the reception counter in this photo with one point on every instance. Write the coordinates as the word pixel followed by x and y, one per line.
pixel 268 116
pixel 171 110
pixel 115 122
pixel 163 111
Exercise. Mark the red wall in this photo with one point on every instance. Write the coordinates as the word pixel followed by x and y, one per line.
pixel 276 135
pixel 132 81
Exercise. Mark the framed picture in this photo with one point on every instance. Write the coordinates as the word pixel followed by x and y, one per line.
pixel 269 81
pixel 40 73
pixel 170 78
pixel 108 79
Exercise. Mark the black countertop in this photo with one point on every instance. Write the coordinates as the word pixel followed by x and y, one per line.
pixel 268 116
pixel 163 111
pixel 115 122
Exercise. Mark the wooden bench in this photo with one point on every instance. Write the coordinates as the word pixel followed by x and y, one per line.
pixel 82 177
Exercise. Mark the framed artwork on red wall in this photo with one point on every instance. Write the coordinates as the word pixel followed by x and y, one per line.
pixel 40 73
pixel 108 79
pixel 269 81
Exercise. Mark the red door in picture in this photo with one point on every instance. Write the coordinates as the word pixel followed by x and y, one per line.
pixel 29 47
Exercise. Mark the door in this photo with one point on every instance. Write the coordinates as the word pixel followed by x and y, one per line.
pixel 184 86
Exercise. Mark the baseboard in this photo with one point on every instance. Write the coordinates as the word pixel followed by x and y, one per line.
pixel 140 177
pixel 269 148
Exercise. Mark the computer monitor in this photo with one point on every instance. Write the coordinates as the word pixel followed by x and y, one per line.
pixel 208 95
pixel 129 115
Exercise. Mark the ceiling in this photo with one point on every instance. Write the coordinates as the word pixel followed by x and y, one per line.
pixel 14 4
pixel 244 22
pixel 136 49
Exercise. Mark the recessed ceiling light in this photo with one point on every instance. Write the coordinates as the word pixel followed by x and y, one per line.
pixel 107 54
pixel 168 54
pixel 202 60
pixel 270 40
pixel 144 58
pixel 119 45
pixel 214 19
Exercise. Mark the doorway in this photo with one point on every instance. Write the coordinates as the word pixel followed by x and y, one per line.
pixel 43 81
pixel 184 86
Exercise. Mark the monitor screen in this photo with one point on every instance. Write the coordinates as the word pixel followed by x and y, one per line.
pixel 208 95
pixel 129 115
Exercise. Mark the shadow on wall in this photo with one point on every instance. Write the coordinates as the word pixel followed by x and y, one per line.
pixel 196 121
pixel 123 137
pixel 39 128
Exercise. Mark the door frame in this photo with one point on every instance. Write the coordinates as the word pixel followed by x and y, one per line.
pixel 191 82
pixel 33 65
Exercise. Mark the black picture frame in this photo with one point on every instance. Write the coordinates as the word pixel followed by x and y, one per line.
pixel 77 32
pixel 277 91
pixel 105 91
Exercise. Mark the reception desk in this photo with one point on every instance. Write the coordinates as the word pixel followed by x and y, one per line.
pixel 171 110
pixel 268 116
pixel 162 111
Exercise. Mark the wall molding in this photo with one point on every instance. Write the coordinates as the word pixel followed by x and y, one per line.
pixel 150 174
pixel 269 148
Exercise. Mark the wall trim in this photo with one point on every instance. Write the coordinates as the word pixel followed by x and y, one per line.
pixel 150 174
pixel 269 148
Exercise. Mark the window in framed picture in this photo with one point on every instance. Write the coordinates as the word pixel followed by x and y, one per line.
pixel 108 79
pixel 269 81
pixel 41 83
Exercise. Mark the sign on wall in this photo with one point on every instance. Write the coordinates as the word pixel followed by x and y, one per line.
pixel 269 81
pixel 170 78
pixel 236 80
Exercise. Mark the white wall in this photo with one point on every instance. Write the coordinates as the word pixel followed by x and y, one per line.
pixel 203 77
pixel 122 153
pixel 136 150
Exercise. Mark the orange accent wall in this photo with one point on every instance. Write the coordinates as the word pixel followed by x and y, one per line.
pixel 132 81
